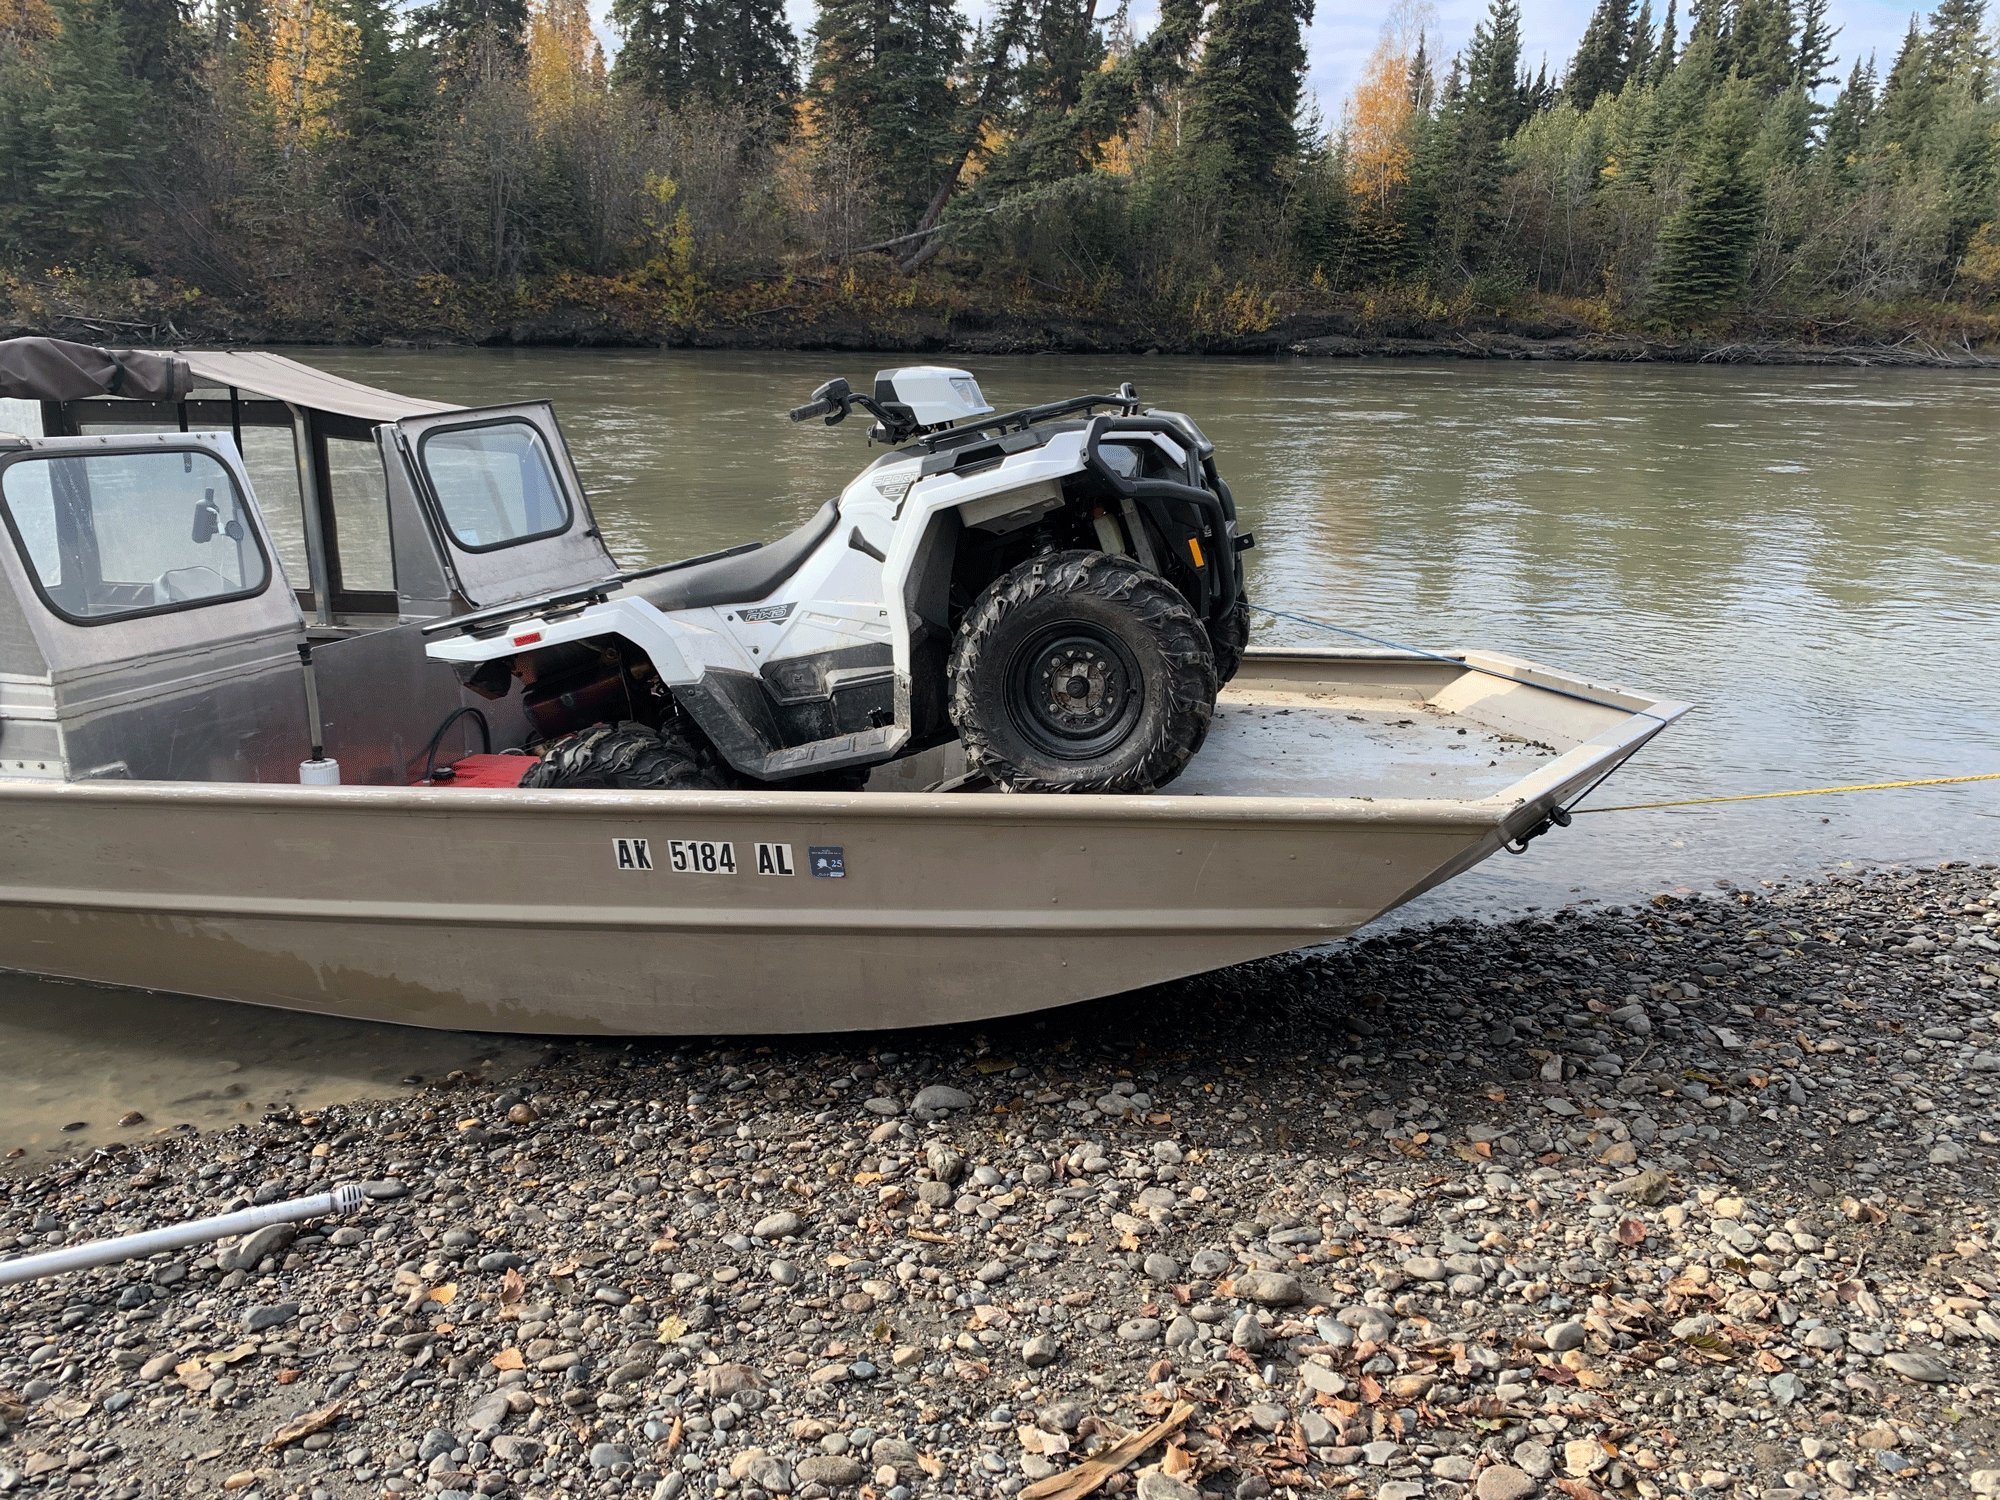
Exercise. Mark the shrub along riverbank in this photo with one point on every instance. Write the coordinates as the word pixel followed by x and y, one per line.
pixel 872 307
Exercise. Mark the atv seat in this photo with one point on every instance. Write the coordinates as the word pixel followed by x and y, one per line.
pixel 744 578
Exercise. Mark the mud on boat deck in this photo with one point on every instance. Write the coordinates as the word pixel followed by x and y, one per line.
pixel 1270 742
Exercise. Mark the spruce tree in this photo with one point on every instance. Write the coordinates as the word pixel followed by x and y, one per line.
pixel 382 109
pixel 1604 56
pixel 1848 120
pixel 1062 54
pixel 884 68
pixel 1639 57
pixel 1138 76
pixel 1953 45
pixel 459 30
pixel 1468 172
pixel 1705 246
pixel 24 145
pixel 1496 95
pixel 729 52
pixel 89 123
pixel 1908 107
pixel 1813 62
pixel 1761 45
pixel 1244 95
pixel 1708 20
pixel 1666 56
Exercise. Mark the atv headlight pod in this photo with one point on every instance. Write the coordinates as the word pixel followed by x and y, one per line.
pixel 935 394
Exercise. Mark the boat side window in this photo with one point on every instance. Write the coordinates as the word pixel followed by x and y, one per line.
pixel 361 514
pixel 271 458
pixel 110 535
pixel 495 484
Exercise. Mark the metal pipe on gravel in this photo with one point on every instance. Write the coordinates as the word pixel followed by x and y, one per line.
pixel 344 1199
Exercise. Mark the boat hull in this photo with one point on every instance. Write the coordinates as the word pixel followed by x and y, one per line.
pixel 561 912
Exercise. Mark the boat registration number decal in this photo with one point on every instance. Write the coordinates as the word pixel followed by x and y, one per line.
pixel 700 857
pixel 715 857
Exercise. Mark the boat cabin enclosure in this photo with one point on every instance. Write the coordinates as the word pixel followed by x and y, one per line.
pixel 185 521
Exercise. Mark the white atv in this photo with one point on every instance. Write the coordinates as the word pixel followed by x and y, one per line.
pixel 1060 590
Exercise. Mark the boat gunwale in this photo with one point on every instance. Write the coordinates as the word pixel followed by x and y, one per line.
pixel 1646 716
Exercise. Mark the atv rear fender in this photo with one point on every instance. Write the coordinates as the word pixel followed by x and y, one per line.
pixel 678 652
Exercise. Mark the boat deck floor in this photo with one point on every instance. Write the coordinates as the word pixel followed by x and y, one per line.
pixel 1272 743
pixel 1267 741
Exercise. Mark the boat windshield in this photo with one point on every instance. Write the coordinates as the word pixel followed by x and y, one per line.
pixel 495 484
pixel 110 535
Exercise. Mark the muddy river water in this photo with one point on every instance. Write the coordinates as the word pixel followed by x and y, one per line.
pixel 1809 556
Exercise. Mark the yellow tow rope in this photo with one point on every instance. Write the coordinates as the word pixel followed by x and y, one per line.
pixel 1816 791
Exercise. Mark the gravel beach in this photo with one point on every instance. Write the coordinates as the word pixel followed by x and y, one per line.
pixel 1689 1197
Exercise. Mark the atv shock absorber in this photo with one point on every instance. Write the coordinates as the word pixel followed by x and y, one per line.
pixel 1109 537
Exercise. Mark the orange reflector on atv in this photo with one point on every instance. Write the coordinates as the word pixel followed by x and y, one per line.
pixel 1194 551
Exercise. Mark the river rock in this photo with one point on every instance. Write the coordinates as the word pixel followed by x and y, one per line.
pixel 779 1225
pixel 1504 1482
pixel 834 1470
pixel 1912 1365
pixel 1272 1288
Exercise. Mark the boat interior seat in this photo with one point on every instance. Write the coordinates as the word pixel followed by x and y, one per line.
pixel 178 585
pixel 744 578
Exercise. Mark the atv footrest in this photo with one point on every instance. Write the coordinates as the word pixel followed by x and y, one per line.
pixel 842 750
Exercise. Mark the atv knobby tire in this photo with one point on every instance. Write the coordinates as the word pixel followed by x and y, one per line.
pixel 622 757
pixel 1081 672
pixel 1227 637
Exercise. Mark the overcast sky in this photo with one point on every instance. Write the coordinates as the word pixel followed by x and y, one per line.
pixel 1343 33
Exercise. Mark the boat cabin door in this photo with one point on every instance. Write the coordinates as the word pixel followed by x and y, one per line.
pixel 501 498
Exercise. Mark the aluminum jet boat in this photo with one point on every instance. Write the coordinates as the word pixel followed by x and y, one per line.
pixel 226 574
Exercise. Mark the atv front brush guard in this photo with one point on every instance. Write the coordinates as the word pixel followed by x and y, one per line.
pixel 1218 583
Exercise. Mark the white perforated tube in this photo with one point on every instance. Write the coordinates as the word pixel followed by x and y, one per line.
pixel 344 1199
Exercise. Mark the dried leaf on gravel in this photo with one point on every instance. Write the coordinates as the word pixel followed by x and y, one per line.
pixel 509 1359
pixel 1711 1346
pixel 1631 1233
pixel 512 1288
pixel 445 1295
pixel 672 1328
pixel 305 1426
pixel 1074 1484
pixel 1576 1489
pixel 931 1465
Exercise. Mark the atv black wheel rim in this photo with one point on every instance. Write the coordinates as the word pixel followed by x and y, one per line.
pixel 1074 691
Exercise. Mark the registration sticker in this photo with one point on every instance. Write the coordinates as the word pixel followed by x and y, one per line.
pixel 828 862
pixel 700 857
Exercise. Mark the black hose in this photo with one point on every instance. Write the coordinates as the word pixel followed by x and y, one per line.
pixel 431 750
